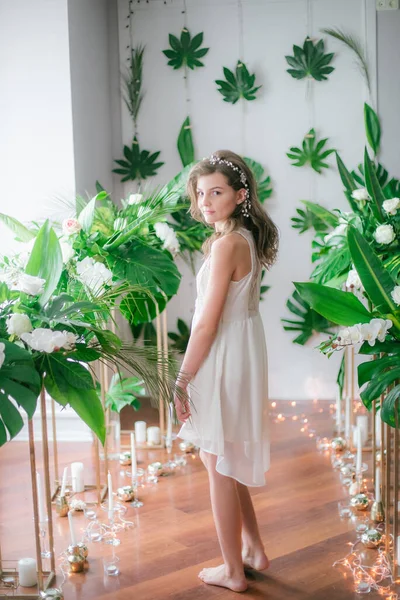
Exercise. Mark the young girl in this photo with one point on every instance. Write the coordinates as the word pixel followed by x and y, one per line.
pixel 226 414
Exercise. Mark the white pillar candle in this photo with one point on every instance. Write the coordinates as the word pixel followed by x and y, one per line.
pixel 362 423
pixel 40 498
pixel 347 409
pixel 359 451
pixel 71 528
pixel 64 482
pixel 110 493
pixel 378 429
pixel 170 412
pixel 27 572
pixel 378 497
pixel 133 454
pixel 78 484
pixel 338 411
pixel 140 432
pixel 153 435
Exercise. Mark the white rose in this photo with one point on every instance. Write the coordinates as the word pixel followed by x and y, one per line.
pixel 395 293
pixel 339 230
pixel 391 206
pixel 353 280
pixel 2 353
pixel 167 235
pixel 18 323
pixel 382 326
pixel 360 194
pixel 135 198
pixel 67 251
pixel 29 284
pixel 93 274
pixel 71 226
pixel 45 340
pixel 384 234
pixel 71 339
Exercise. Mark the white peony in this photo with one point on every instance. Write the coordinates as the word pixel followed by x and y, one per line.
pixel 67 251
pixel 353 280
pixel 395 293
pixel 2 353
pixel 167 235
pixel 384 234
pixel 135 198
pixel 18 323
pixel 71 226
pixel 391 206
pixel 29 284
pixel 93 274
pixel 45 340
pixel 339 230
pixel 360 194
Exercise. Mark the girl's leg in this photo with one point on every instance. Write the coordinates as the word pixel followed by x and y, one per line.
pixel 253 553
pixel 227 517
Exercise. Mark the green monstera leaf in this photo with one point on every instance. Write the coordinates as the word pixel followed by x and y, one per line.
pixel 308 321
pixel 264 189
pixel 238 85
pixel 137 164
pixel 180 340
pixel 310 61
pixel 310 153
pixel 185 51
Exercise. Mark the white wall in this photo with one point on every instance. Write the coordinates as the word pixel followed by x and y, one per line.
pixel 36 145
pixel 278 119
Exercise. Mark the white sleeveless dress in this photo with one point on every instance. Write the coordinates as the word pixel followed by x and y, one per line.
pixel 229 393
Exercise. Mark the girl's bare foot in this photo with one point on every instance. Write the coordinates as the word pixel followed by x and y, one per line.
pixel 218 576
pixel 256 559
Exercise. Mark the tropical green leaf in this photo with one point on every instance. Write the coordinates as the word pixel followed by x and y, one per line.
pixel 21 232
pixel 378 385
pixel 264 189
pixel 123 392
pixel 185 143
pixel 336 262
pixel 185 51
pixel 339 307
pixel 309 321
pixel 180 340
pixel 354 44
pixel 310 61
pixel 389 347
pixel 310 152
pixel 137 164
pixel 390 411
pixel 237 85
pixel 375 278
pixel 373 187
pixel 86 216
pixel 372 128
pixel 46 261
pixel 370 369
pixel 20 384
pixel 322 213
pixel 381 174
pixel 306 220
pixel 345 176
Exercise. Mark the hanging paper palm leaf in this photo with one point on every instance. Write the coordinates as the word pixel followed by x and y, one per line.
pixel 264 189
pixel 354 44
pixel 185 51
pixel 310 61
pixel 310 153
pixel 133 82
pixel 185 143
pixel 308 321
pixel 240 85
pixel 137 164
pixel 180 340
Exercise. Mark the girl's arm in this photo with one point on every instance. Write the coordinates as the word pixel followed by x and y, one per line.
pixel 222 267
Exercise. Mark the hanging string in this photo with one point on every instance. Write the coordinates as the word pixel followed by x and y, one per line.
pixel 186 72
pixel 241 58
pixel 310 95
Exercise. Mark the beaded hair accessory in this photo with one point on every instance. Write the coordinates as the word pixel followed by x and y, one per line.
pixel 246 203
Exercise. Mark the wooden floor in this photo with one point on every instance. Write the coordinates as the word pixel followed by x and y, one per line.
pixel 174 537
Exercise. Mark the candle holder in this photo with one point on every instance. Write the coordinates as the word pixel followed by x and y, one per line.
pixel 125 459
pixel 79 548
pixel 111 530
pixel 359 502
pixel 52 594
pixel 111 566
pixel 170 464
pixel 137 481
pixel 125 493
pixel 43 531
pixel 76 563
pixel 188 447
pixel 62 506
pixel 377 512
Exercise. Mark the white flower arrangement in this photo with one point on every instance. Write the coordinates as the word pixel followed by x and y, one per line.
pixel 353 281
pixel 18 323
pixel 360 194
pixel 93 274
pixel 384 234
pixel 390 206
pixel 376 329
pixel 71 226
pixel 29 284
pixel 47 340
pixel 167 235
pixel 340 230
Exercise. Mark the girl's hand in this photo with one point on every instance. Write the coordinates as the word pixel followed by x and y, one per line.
pixel 181 402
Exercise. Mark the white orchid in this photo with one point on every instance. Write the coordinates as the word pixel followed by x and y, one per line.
pixel 2 353
pixel 370 332
pixel 390 206
pixel 383 326
pixel 384 234
pixel 45 340
pixel 340 230
pixel 93 274
pixel 71 339
pixel 376 329
pixel 167 235
pixel 354 281
pixel 135 198
pixel 395 293
pixel 18 323
pixel 350 335
pixel 29 284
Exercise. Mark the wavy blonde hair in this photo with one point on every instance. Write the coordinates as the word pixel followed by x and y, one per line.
pixel 264 230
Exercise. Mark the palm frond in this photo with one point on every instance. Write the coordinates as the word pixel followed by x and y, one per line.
pixel 355 45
